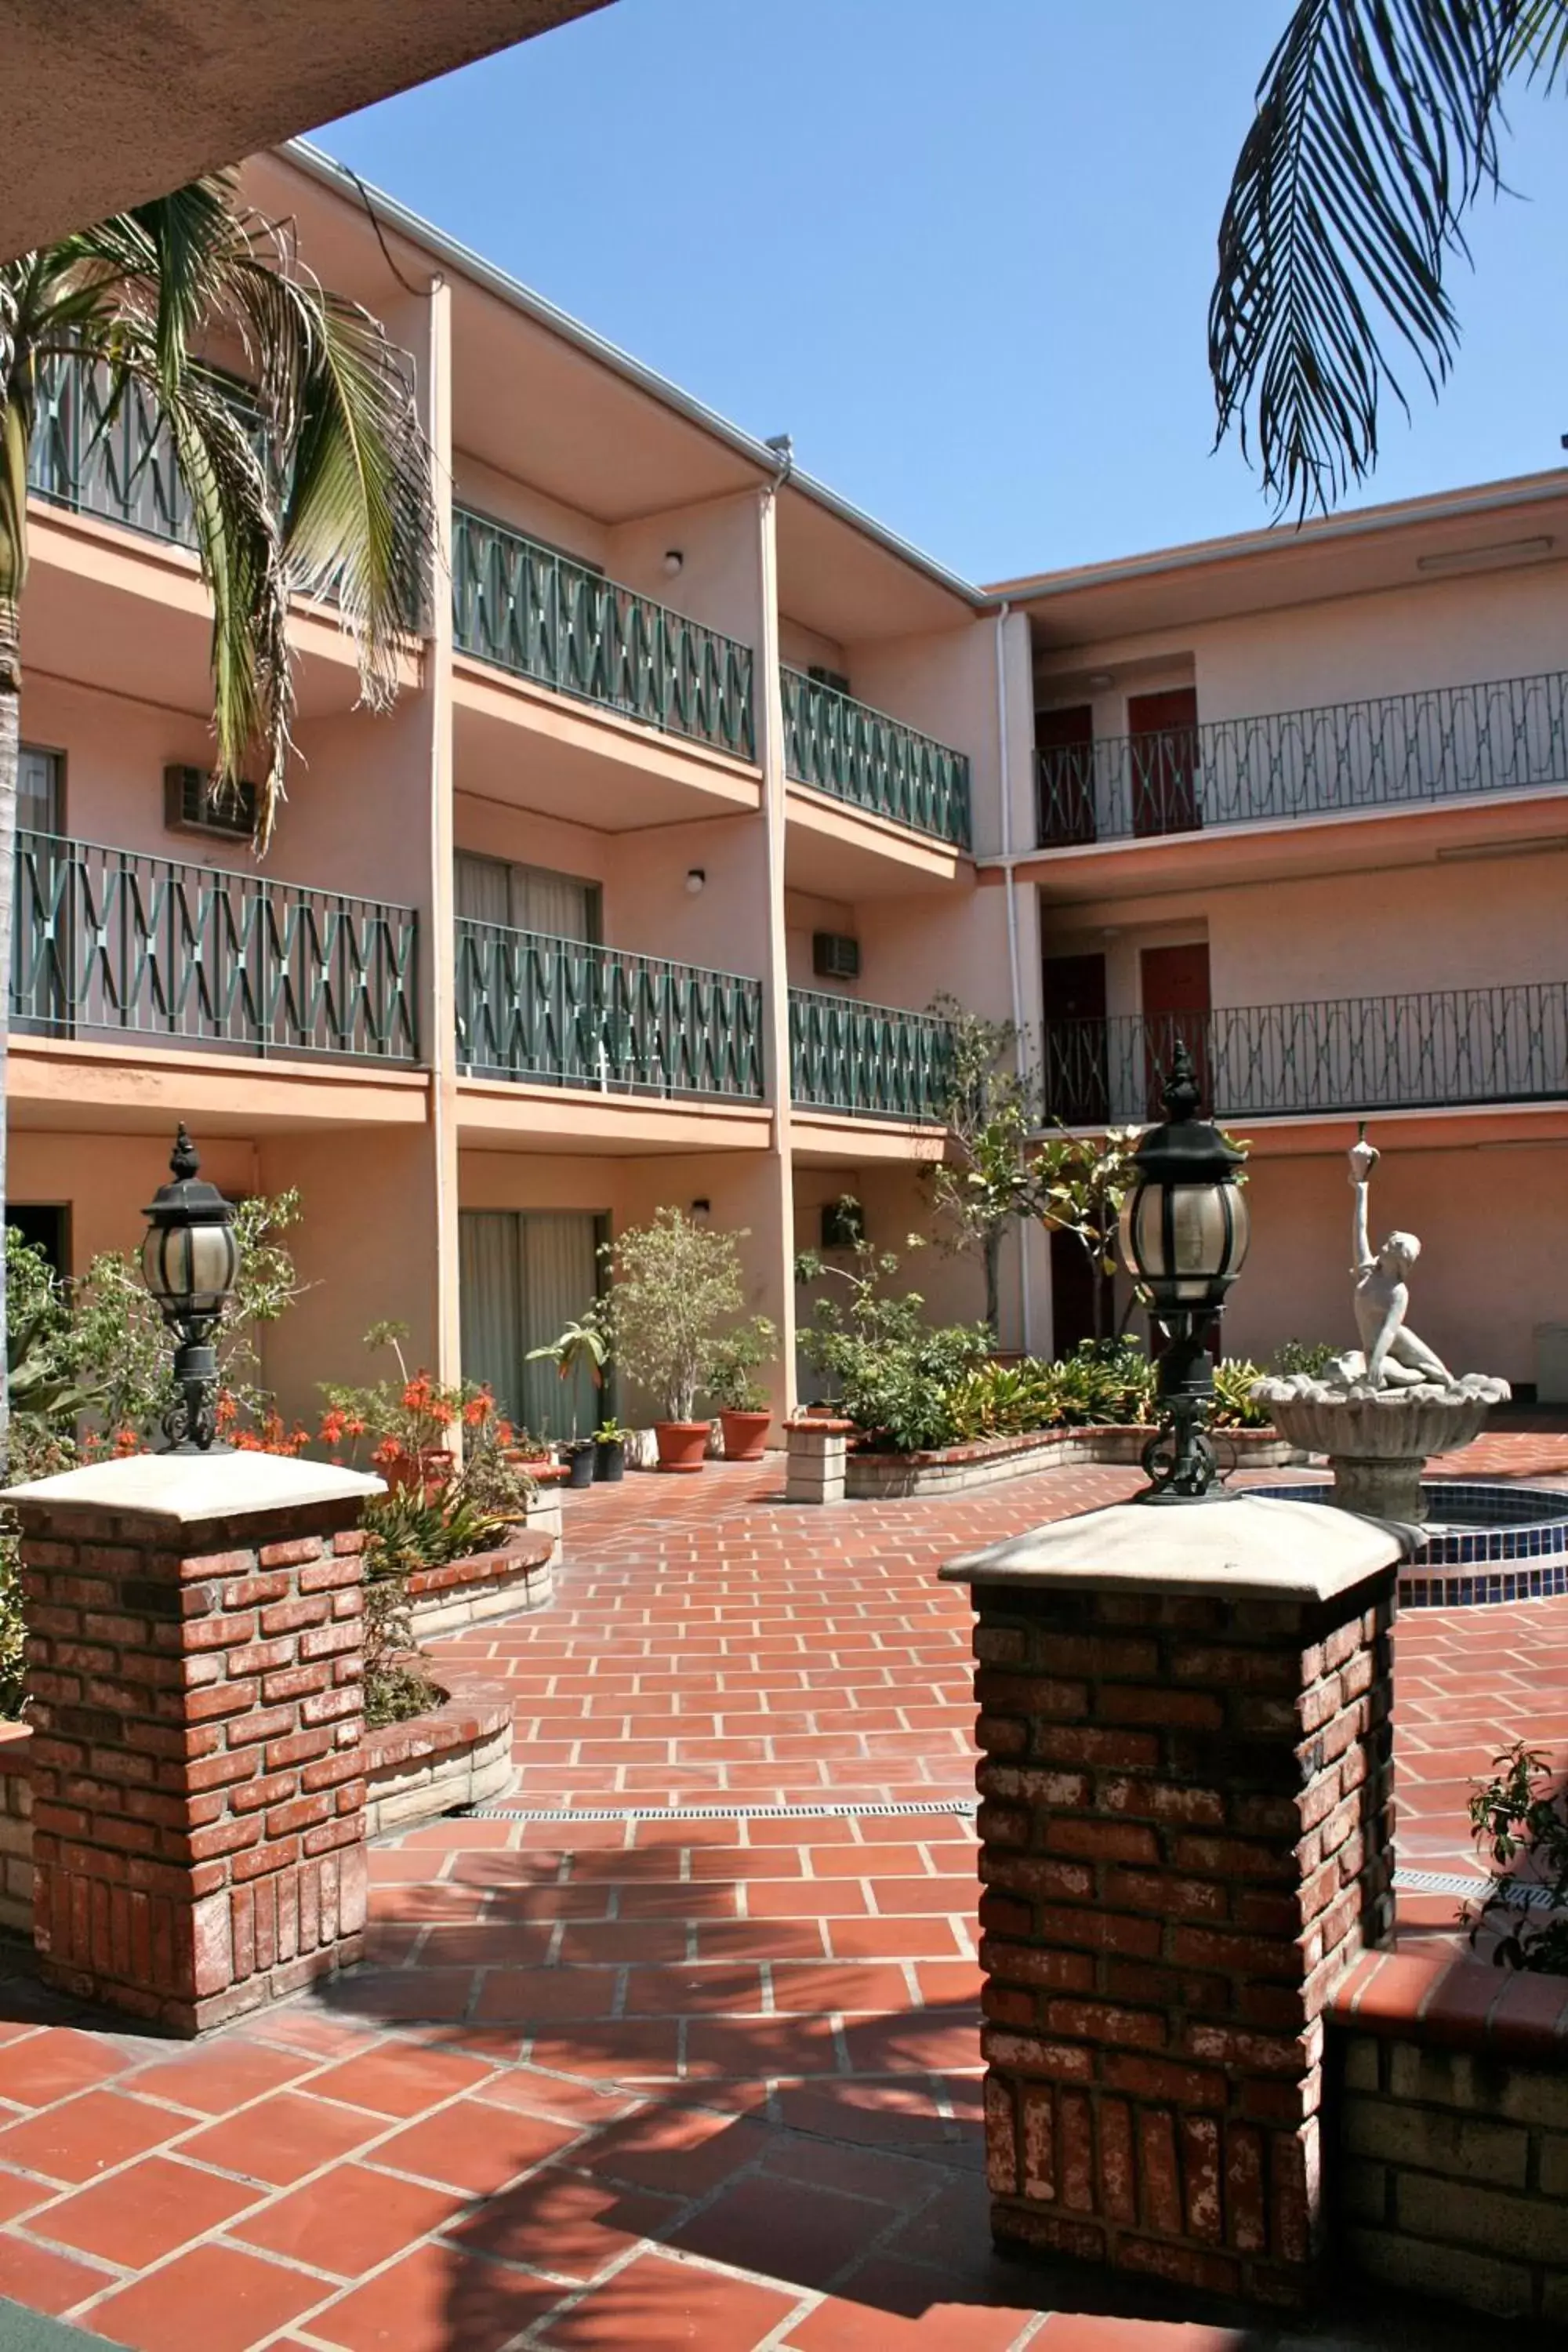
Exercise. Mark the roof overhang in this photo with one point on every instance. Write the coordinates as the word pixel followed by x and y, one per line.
pixel 107 105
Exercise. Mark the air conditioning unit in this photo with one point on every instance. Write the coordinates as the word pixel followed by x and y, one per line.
pixel 835 955
pixel 193 804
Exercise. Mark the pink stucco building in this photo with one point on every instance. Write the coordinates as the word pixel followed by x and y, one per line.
pixel 700 786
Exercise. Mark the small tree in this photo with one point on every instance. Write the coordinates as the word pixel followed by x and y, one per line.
pixel 984 1181
pixel 1078 1184
pixel 675 1284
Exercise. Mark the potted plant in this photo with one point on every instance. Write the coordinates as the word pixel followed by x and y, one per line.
pixel 582 1345
pixel 411 1419
pixel 676 1282
pixel 609 1453
pixel 743 1410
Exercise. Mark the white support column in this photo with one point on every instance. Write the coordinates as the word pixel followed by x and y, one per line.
pixel 769 707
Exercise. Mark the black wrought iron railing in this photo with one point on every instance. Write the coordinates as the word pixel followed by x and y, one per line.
pixel 112 942
pixel 1387 751
pixel 875 1060
pixel 119 464
pixel 1435 1050
pixel 567 1013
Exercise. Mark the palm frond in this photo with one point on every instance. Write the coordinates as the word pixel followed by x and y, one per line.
pixel 1375 130
pixel 1541 42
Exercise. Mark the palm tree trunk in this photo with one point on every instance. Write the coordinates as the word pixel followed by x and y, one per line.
pixel 10 748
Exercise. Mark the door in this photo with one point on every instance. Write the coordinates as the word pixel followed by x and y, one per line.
pixel 1174 987
pixel 1075 1073
pixel 1163 758
pixel 43 958
pixel 1064 762
pixel 1074 1282
pixel 522 1276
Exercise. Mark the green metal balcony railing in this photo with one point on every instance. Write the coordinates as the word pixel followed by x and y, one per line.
pixel 530 609
pixel 858 754
pixel 123 470
pixel 109 943
pixel 1390 751
pixel 874 1060
pixel 1354 1053
pixel 570 1014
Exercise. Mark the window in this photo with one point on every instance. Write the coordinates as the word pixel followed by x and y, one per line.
pixel 39 795
pixel 526 898
pixel 522 1277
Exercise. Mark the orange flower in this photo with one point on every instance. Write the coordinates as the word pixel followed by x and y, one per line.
pixel 478 1409
pixel 127 1442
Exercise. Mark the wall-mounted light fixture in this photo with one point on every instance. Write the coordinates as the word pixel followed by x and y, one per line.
pixel 1100 681
pixel 696 880
pixel 674 561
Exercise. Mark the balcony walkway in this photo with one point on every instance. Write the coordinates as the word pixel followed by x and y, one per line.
pixel 609 2084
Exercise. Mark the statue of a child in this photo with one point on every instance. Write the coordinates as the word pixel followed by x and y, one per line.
pixel 1394 1357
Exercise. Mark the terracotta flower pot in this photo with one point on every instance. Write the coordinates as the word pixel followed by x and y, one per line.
pixel 429 1472
pixel 745 1434
pixel 682 1445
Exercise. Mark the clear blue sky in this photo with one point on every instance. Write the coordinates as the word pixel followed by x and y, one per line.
pixel 960 249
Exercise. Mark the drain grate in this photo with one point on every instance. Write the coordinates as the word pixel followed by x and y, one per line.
pixel 849 1811
pixel 1456 1882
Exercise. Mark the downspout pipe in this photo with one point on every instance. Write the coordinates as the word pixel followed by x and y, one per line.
pixel 1015 976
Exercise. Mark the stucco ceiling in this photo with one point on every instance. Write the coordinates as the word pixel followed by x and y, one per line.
pixel 111 102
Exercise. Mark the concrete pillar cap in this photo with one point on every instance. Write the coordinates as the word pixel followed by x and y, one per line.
pixel 1243 1547
pixel 192 1486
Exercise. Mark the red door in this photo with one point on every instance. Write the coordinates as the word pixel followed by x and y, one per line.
pixel 1075 1082
pixel 1163 754
pixel 1064 756
pixel 1174 984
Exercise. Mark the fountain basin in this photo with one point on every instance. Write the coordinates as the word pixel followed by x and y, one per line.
pixel 1378 1441
pixel 1481 1542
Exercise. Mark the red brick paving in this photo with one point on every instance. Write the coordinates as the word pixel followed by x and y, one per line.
pixel 629 2084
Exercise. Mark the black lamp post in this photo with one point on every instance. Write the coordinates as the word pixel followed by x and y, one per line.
pixel 189 1260
pixel 1184 1231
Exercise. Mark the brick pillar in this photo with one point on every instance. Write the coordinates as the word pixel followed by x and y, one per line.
pixel 1186 1837
pixel 194 1664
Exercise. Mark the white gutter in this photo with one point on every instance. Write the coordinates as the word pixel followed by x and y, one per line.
pixel 1003 760
pixel 398 217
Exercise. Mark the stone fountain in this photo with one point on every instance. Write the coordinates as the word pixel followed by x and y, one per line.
pixel 1380 1412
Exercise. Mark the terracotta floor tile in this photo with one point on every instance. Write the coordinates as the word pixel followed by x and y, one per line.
pixel 51 2065
pixel 436 2300
pixel 888 2307
pixel 915 1938
pixel 216 2297
pixel 45 2280
pixel 631 2050
pixel 217 2080
pixel 282 2139
pixel 348 2221
pixel 559 2222
pixel 140 2215
pixel 898 2181
pixel 700 1989
pixel 681 2152
pixel 1067 2331
pixel 474 2144
pixel 803 2237
pixel 17 2194
pixel 545 1995
pixel 850 1987
pixel 400 2079
pixel 86 2135
pixel 655 2303
pixel 401 1996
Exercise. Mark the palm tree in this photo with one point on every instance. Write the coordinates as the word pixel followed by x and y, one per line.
pixel 1377 129
pixel 311 470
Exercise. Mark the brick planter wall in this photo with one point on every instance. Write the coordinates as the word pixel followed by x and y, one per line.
pixel 193 1664
pixel 956 1469
pixel 488 1584
pixel 16 1830
pixel 1185 1838
pixel 1452 2140
pixel 458 1754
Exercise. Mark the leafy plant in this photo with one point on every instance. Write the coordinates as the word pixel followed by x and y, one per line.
pixel 1079 1184
pixel 407 1419
pixel 405 1531
pixel 984 1183
pixel 1005 1400
pixel 610 1432
pixel 1312 1357
pixel 1105 1382
pixel 582 1345
pixel 894 1376
pixel 488 1483
pixel 1520 1820
pixel 734 1358
pixel 1235 1405
pixel 676 1282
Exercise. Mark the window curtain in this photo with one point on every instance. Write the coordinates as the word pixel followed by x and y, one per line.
pixel 526 898
pixel 522 1279
pixel 482 888
pixel 39 791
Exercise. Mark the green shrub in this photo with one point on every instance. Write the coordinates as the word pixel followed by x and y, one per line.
pixel 1104 1380
pixel 1520 1820
pixel 1236 1407
pixel 1312 1357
